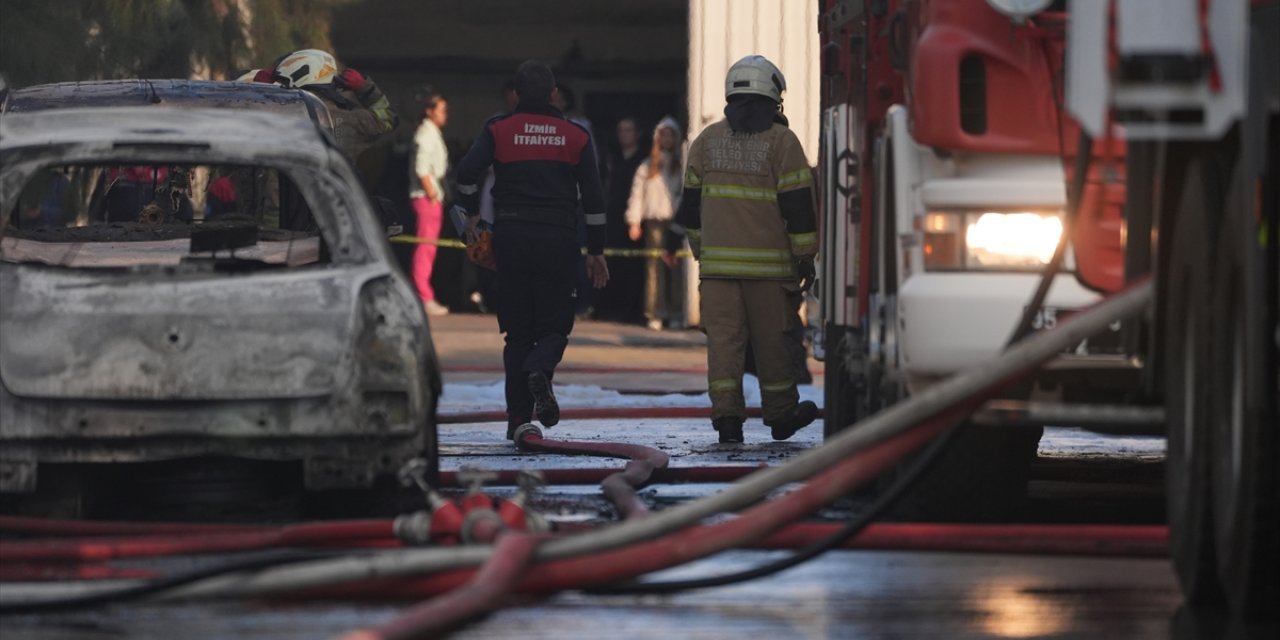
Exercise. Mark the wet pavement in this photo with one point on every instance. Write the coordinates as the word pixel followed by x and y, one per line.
pixel 843 594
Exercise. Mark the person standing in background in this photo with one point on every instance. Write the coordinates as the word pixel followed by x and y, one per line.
pixel 620 300
pixel 430 163
pixel 566 101
pixel 655 196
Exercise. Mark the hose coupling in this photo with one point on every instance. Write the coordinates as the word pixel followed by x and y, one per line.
pixel 414 473
pixel 413 528
pixel 481 526
pixel 525 431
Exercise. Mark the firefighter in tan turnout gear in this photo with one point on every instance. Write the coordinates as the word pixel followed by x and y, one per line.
pixel 748 212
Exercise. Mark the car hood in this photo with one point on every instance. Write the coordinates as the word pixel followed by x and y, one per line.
pixel 85 334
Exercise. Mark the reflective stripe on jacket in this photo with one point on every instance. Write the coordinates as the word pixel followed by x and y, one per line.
pixel 743 231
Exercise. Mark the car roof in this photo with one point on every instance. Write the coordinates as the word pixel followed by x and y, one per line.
pixel 185 94
pixel 229 134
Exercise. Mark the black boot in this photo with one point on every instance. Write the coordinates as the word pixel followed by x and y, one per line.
pixel 799 418
pixel 730 428
pixel 544 401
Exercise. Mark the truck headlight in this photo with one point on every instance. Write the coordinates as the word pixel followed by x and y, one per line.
pixel 990 240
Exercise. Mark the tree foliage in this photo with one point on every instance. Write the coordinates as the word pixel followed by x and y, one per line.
pixel 65 40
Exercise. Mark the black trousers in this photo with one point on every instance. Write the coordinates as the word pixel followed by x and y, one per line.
pixel 537 282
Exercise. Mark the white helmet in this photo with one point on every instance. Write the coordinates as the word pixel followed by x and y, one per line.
pixel 306 67
pixel 248 76
pixel 754 74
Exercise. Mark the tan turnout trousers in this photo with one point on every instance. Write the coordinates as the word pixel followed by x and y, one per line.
pixel 733 311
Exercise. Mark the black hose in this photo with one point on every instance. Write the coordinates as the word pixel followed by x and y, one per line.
pixel 852 528
pixel 161 584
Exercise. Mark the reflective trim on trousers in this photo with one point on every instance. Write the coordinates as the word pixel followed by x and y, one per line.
pixel 777 386
pixel 724 384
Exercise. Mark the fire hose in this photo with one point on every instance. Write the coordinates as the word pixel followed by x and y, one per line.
pixel 148 546
pixel 485 590
pixel 619 488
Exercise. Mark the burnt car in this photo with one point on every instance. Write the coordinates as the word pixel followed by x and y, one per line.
pixel 203 94
pixel 183 285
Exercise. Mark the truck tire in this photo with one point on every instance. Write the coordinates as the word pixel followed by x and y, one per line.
pixel 1246 435
pixel 1185 296
pixel 981 476
pixel 839 399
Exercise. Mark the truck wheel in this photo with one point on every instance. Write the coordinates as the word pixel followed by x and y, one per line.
pixel 1246 440
pixel 1185 292
pixel 981 476
pixel 839 392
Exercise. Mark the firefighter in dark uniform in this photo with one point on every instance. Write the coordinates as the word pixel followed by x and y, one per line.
pixel 542 163
pixel 748 212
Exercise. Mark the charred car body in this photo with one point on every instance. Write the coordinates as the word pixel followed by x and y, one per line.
pixel 192 283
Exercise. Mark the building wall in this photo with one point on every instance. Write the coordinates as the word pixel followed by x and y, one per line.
pixel 784 31
pixel 468 48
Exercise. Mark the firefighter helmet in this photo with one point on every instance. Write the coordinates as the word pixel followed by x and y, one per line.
pixel 754 74
pixel 306 67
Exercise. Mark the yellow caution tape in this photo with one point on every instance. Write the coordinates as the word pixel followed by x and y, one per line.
pixel 449 243
pixel 442 242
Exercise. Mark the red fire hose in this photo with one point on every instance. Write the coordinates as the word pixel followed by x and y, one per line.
pixel 59 527
pixel 484 592
pixel 677 475
pixel 1149 541
pixel 621 487
pixel 313 534
pixel 32 572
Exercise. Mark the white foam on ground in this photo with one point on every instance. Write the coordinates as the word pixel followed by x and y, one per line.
pixel 488 396
pixel 462 397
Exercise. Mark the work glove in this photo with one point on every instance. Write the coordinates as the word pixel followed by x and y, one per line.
pixel 808 273
pixel 351 79
pixel 370 96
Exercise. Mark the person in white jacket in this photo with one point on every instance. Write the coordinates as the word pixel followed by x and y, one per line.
pixel 655 196
pixel 426 192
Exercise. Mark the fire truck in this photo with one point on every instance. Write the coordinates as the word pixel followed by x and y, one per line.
pixel 990 166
